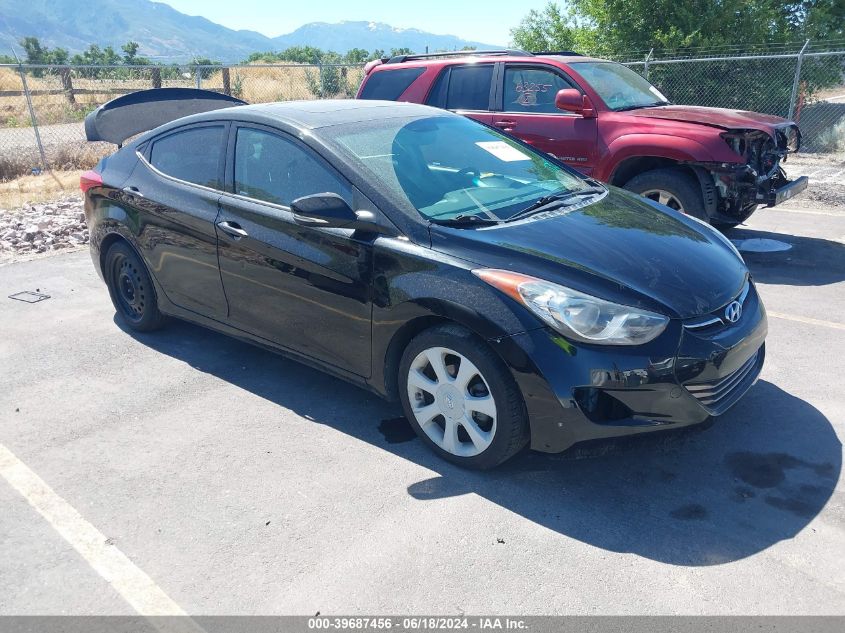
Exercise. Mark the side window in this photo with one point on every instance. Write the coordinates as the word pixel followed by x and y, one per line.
pixel 192 155
pixel 437 95
pixel 389 84
pixel 531 90
pixel 271 168
pixel 469 87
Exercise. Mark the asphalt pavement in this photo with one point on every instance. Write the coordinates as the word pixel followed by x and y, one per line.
pixel 183 471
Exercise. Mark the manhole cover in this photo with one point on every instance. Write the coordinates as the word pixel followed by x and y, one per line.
pixel 29 296
pixel 761 245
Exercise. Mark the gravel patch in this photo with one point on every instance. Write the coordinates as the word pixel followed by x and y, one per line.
pixel 38 229
pixel 827 180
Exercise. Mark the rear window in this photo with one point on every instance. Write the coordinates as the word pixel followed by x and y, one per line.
pixel 389 84
pixel 192 155
pixel 463 88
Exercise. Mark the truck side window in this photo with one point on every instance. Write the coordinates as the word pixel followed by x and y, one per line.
pixel 464 87
pixel 531 90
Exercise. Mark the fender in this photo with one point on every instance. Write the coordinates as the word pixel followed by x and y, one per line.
pixel 650 145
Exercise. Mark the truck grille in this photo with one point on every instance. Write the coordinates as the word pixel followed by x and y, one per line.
pixel 718 396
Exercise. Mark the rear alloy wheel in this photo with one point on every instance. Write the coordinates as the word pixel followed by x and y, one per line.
pixel 460 398
pixel 131 288
pixel 673 188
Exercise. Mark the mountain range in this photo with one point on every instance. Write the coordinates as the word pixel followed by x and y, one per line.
pixel 165 34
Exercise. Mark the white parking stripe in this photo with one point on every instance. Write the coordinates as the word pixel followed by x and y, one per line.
pixel 807 320
pixel 129 581
pixel 806 211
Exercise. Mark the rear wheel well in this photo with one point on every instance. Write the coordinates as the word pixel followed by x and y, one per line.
pixel 631 167
pixel 108 241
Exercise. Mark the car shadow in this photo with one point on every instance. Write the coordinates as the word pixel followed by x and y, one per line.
pixel 690 497
pixel 808 262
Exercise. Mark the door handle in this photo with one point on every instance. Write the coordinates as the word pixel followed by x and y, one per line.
pixel 133 191
pixel 505 124
pixel 233 229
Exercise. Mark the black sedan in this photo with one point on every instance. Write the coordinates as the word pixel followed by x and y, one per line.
pixel 505 300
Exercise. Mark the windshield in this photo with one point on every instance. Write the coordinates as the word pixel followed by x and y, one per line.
pixel 619 87
pixel 449 167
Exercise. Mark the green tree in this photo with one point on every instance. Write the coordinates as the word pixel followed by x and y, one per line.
pixel 38 54
pixel 356 56
pixel 624 26
pixel 130 55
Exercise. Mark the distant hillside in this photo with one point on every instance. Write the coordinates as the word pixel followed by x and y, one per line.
pixel 343 36
pixel 165 34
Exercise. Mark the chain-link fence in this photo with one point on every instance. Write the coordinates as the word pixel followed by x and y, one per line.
pixel 42 107
pixel 807 87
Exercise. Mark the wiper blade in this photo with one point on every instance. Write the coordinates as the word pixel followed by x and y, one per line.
pixel 466 220
pixel 547 202
pixel 643 105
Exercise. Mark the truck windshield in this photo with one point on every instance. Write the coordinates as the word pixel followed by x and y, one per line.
pixel 619 87
pixel 451 168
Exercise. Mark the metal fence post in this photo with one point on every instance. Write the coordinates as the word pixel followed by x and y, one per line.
pixel 794 97
pixel 32 118
pixel 647 59
pixel 198 72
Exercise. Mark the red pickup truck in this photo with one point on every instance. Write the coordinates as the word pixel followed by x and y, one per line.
pixel 608 122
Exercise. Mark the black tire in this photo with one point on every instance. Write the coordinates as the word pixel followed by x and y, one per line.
pixel 511 432
pixel 131 288
pixel 677 183
pixel 726 226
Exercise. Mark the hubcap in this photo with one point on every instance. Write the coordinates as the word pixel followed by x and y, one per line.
pixel 664 197
pixel 451 401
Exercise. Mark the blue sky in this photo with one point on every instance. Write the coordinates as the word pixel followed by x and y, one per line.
pixel 489 21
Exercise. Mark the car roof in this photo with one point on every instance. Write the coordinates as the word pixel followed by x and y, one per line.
pixel 476 59
pixel 321 113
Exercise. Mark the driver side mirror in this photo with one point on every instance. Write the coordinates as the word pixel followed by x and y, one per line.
pixel 570 100
pixel 329 210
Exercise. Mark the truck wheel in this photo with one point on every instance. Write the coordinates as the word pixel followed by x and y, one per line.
pixel 671 187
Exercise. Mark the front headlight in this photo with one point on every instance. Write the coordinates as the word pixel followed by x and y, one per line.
pixel 576 315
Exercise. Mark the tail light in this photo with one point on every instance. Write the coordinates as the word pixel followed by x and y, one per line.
pixel 90 179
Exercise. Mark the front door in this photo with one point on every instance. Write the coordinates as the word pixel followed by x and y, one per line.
pixel 306 289
pixel 526 109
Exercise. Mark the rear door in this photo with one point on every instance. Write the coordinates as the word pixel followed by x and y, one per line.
pixel 466 89
pixel 306 289
pixel 525 108
pixel 174 194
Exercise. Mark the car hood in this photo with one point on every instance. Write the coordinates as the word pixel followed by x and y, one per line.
pixel 722 118
pixel 621 248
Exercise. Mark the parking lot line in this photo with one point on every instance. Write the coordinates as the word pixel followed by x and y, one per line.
pixel 809 211
pixel 138 589
pixel 807 320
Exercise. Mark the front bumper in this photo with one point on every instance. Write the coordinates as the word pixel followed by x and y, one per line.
pixel 684 377
pixel 787 191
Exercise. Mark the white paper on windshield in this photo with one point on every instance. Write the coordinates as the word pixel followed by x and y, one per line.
pixel 658 93
pixel 503 151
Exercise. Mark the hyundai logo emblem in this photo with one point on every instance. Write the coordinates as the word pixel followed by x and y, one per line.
pixel 733 311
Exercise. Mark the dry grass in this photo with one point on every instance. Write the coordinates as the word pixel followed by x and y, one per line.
pixel 35 189
pixel 252 84
pixel 76 155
